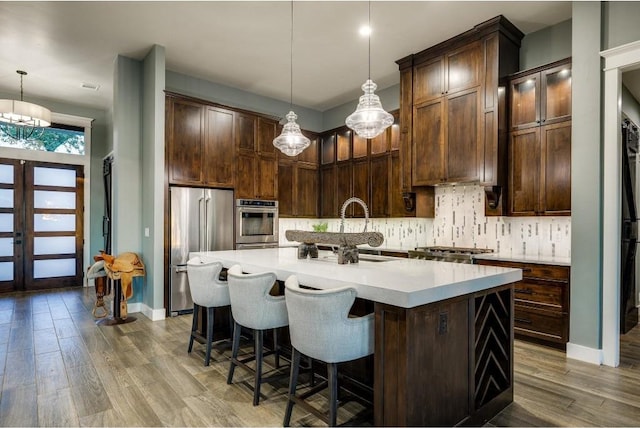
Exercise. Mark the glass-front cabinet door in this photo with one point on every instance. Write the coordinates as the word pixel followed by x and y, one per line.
pixel 556 95
pixel 525 104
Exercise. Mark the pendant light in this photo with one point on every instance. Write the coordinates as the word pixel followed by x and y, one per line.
pixel 25 118
pixel 370 119
pixel 291 141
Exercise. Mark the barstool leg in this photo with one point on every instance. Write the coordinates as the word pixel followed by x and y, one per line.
pixel 259 341
pixel 209 335
pixel 234 350
pixel 293 383
pixel 332 368
pixel 276 347
pixel 194 326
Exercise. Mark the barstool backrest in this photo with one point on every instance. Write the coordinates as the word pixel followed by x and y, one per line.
pixel 251 304
pixel 320 326
pixel 204 282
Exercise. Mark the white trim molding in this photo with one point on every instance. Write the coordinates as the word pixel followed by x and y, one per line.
pixel 584 353
pixel 617 60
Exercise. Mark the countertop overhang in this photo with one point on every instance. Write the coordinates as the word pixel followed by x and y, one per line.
pixel 401 282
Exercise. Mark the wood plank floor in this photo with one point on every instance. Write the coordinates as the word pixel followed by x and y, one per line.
pixel 58 368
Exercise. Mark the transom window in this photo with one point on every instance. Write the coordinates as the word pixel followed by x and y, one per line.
pixel 57 138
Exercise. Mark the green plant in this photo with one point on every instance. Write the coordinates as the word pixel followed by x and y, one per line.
pixel 320 227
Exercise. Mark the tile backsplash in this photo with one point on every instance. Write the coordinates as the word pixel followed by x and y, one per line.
pixel 459 221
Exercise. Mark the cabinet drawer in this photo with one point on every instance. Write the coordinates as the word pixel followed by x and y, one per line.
pixel 529 270
pixel 550 294
pixel 546 325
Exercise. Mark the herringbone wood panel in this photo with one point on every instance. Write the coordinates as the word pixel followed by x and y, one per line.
pixel 58 368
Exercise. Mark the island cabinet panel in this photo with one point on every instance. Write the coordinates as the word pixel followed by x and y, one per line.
pixel 540 141
pixel 452 107
pixel 470 377
pixel 541 302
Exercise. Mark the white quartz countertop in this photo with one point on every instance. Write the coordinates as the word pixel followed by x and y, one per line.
pixel 521 258
pixel 406 283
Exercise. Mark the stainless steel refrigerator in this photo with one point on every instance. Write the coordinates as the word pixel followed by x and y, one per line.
pixel 201 220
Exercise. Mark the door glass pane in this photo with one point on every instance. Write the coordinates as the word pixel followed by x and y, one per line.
pixel 44 199
pixel 54 245
pixel 54 222
pixel 6 271
pixel 54 177
pixel 54 268
pixel 6 198
pixel 523 105
pixel 6 222
pixel 6 247
pixel 6 174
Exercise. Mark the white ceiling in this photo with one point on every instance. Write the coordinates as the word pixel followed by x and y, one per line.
pixel 236 43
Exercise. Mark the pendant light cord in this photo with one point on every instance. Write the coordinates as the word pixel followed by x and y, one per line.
pixel 291 61
pixel 370 31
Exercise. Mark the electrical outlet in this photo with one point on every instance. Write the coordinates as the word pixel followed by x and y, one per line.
pixel 443 323
pixel 146 232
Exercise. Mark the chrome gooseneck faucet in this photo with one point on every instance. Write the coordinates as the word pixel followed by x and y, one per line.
pixel 343 212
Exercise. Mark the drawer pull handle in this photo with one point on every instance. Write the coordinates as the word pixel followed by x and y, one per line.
pixel 523 291
pixel 523 320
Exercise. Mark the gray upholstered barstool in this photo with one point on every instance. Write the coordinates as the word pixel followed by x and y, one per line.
pixel 253 307
pixel 320 328
pixel 207 291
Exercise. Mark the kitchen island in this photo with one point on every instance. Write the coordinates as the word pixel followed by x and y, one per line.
pixel 443 331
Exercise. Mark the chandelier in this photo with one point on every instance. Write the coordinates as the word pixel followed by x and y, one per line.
pixel 23 120
pixel 370 119
pixel 291 141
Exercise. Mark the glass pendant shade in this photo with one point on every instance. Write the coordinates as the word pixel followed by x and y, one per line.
pixel 369 120
pixel 291 141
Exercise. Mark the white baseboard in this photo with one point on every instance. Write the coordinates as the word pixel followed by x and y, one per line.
pixel 134 307
pixel 154 314
pixel 586 354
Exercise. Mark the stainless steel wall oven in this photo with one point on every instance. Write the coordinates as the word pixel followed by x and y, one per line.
pixel 256 223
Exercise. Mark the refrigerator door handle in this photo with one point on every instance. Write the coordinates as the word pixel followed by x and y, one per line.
pixel 200 223
pixel 181 269
pixel 207 245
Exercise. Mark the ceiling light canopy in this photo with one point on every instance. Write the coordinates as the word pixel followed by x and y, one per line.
pixel 370 119
pixel 291 141
pixel 25 118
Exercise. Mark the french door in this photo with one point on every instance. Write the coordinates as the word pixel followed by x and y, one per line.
pixel 41 225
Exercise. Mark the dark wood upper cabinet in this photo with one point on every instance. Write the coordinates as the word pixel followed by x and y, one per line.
pixel 380 186
pixel 328 192
pixel 343 138
pixel 310 154
pixel 540 141
pixel 218 148
pixel 285 189
pixel 307 191
pixel 184 147
pixel 245 131
pixel 266 135
pixel 360 146
pixel 541 96
pixel 199 144
pixel 328 148
pixel 453 126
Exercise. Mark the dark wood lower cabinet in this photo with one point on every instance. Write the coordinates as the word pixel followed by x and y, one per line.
pixel 541 302
pixel 444 364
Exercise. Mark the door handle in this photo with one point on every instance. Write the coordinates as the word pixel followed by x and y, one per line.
pixel 181 269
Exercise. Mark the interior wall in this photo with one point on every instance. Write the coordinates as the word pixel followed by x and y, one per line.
pixel 547 45
pixel 586 181
pixel 620 23
pixel 127 165
pixel 153 176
